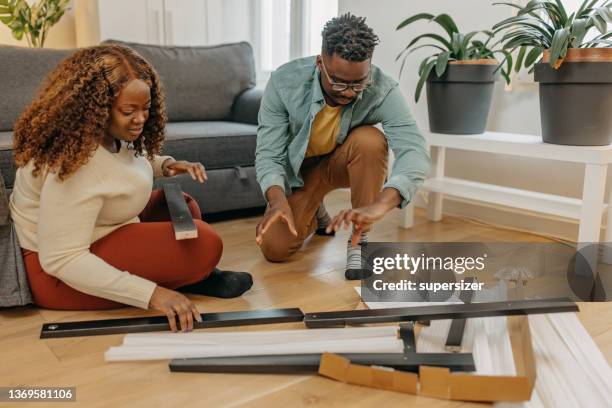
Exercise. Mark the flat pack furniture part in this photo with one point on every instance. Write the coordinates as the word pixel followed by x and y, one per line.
pixel 160 323
pixel 312 320
pixel 405 360
pixel 439 382
pixel 454 311
pixel 161 346
pixel 457 328
pixel 380 344
pixel 182 220
pixel 309 363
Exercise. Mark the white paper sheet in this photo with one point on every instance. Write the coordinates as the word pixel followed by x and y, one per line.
pixel 571 370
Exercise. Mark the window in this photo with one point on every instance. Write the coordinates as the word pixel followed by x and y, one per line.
pixel 317 14
pixel 288 29
pixel 274 33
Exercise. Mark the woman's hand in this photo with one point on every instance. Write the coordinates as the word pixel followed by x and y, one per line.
pixel 173 303
pixel 173 167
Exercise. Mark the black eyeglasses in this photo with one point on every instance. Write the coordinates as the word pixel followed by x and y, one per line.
pixel 341 86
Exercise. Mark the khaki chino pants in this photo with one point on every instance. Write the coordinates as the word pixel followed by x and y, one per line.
pixel 359 163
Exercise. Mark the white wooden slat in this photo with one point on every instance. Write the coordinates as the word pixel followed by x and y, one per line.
pixel 259 337
pixel 571 370
pixel 507 196
pixel 387 344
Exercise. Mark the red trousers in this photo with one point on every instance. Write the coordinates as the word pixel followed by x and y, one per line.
pixel 147 249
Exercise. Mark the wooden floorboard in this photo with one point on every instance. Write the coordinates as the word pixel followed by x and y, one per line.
pixel 313 281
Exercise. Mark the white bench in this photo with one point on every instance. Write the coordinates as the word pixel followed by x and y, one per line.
pixel 588 210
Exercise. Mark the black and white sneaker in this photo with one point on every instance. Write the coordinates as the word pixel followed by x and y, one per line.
pixel 323 220
pixel 354 269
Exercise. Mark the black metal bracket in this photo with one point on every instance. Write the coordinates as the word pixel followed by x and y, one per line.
pixel 160 323
pixel 406 333
pixel 309 363
pixel 451 311
pixel 457 327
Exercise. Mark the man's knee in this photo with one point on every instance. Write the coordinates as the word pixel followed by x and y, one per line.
pixel 278 244
pixel 276 251
pixel 368 140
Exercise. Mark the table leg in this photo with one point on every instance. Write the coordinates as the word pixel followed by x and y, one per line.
pixel 407 215
pixel 591 213
pixel 434 206
pixel 607 255
pixel 592 203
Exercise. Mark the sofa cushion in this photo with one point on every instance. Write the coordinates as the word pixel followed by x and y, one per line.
pixel 7 163
pixel 201 83
pixel 21 73
pixel 214 144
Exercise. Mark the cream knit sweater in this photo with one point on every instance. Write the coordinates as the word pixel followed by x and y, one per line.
pixel 61 219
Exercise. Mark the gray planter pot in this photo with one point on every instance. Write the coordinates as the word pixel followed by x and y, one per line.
pixel 576 103
pixel 458 102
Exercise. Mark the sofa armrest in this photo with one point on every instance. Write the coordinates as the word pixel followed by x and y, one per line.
pixel 246 106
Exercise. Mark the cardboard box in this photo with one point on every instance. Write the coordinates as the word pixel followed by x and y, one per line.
pixel 437 382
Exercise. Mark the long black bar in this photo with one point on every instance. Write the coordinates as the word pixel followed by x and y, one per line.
pixel 160 323
pixel 451 311
pixel 457 327
pixel 309 363
pixel 182 220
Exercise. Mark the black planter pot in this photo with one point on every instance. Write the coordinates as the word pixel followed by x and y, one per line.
pixel 576 103
pixel 458 102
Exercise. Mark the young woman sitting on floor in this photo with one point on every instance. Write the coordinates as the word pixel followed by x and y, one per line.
pixel 93 233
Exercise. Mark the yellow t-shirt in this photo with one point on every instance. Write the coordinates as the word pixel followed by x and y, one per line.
pixel 323 132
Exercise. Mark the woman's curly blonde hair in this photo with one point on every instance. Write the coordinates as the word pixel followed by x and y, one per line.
pixel 68 119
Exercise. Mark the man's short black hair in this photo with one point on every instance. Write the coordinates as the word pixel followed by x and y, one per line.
pixel 349 37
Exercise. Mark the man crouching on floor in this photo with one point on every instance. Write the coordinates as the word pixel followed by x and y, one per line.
pixel 316 134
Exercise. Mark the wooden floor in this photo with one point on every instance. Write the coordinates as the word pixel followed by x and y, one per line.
pixel 314 281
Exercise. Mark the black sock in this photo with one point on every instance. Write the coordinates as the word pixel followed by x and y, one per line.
pixel 222 284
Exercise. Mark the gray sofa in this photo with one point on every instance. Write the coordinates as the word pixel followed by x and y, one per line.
pixel 212 114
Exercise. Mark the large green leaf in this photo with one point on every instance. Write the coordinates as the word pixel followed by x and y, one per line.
pixel 519 58
pixel 585 5
pixel 599 22
pixel 456 44
pixel 467 38
pixel 416 17
pixel 509 21
pixel 561 10
pixel 441 63
pixel 414 49
pixel 436 37
pixel 558 48
pixel 579 30
pixel 447 23
pixel 424 75
pixel 532 56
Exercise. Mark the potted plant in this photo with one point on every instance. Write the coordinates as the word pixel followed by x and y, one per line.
pixel 571 56
pixel 32 21
pixel 459 75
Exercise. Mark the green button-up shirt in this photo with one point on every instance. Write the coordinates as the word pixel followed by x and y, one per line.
pixel 292 99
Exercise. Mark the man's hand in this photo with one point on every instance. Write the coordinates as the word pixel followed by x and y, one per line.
pixel 279 209
pixel 173 303
pixel 362 218
pixel 196 170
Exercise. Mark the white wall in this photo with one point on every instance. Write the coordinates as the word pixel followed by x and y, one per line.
pixel 61 35
pixel 513 111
